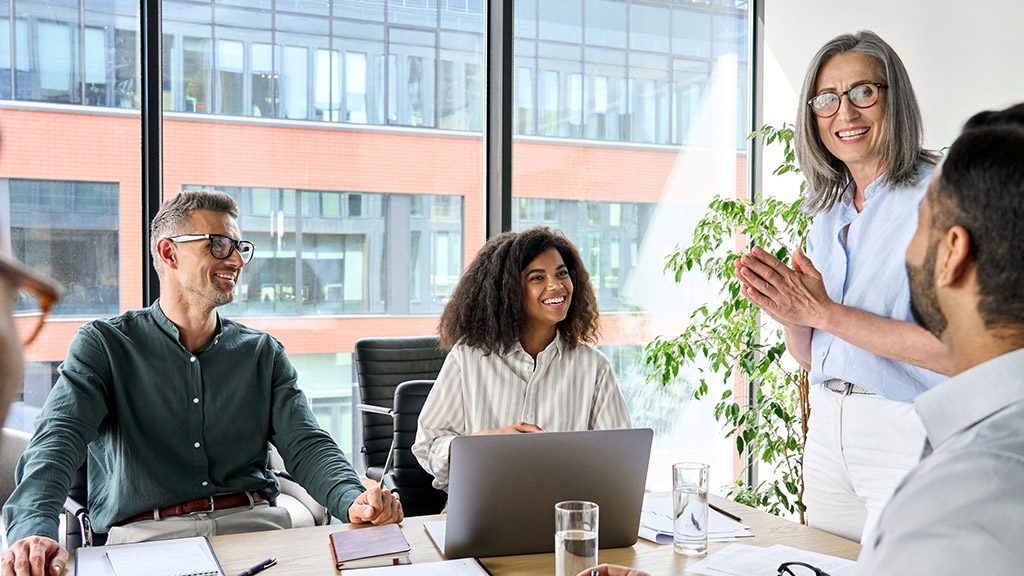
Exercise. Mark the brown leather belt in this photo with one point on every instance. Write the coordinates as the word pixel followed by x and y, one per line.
pixel 208 504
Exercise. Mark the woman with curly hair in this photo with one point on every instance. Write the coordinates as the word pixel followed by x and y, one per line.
pixel 519 329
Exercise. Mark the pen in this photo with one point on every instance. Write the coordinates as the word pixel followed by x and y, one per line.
pixel 259 567
pixel 725 513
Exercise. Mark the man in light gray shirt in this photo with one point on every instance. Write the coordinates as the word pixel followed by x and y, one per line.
pixel 960 511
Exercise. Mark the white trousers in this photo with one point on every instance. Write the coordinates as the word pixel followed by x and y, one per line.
pixel 262 516
pixel 859 447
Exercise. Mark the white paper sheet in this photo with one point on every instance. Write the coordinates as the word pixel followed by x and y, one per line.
pixel 162 558
pixel 656 523
pixel 743 560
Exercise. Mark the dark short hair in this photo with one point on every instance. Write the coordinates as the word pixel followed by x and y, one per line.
pixel 486 308
pixel 981 188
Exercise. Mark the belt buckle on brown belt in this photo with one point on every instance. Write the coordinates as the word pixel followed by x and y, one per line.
pixel 186 507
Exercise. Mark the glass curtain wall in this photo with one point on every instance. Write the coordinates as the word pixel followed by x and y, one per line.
pixel 70 177
pixel 630 116
pixel 350 133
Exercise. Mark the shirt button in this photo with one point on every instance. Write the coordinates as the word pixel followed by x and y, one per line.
pixel 195 400
pixel 192 359
pixel 215 340
pixel 205 483
pixel 196 444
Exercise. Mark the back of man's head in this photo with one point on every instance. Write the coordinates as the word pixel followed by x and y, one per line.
pixel 981 187
pixel 175 213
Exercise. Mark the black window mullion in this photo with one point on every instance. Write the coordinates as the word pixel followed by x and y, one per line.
pixel 152 136
pixel 498 124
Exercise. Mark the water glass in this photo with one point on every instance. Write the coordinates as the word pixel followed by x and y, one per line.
pixel 690 508
pixel 575 537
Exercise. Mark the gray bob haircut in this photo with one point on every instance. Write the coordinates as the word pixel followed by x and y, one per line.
pixel 826 175
pixel 173 217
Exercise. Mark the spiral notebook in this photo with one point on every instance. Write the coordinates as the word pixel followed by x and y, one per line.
pixel 179 557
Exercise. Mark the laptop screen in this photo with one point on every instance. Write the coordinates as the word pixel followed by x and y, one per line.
pixel 503 488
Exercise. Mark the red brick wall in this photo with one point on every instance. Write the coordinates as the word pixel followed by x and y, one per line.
pixel 97 147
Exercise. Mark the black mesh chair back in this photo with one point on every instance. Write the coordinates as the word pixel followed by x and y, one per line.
pixel 414 484
pixel 381 365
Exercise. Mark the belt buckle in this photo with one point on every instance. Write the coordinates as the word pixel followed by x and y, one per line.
pixel 210 499
pixel 849 389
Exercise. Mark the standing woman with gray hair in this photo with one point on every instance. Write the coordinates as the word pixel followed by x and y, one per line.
pixel 845 305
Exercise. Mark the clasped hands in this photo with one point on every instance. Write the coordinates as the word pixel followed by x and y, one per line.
pixel 791 296
pixel 376 506
pixel 522 427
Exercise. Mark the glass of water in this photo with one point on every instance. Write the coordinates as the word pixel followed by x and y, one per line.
pixel 690 508
pixel 575 537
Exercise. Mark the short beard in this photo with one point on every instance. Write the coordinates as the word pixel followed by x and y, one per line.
pixel 924 305
pixel 221 298
pixel 212 299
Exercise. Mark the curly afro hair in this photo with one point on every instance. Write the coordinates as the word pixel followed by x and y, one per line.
pixel 486 308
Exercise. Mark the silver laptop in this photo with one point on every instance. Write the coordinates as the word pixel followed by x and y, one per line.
pixel 503 488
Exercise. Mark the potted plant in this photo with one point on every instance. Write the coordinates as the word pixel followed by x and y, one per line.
pixel 729 342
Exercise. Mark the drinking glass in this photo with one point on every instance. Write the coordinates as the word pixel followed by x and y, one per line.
pixel 690 508
pixel 575 537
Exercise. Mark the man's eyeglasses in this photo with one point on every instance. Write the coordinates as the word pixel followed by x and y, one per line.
pixel 800 569
pixel 221 246
pixel 826 104
pixel 35 299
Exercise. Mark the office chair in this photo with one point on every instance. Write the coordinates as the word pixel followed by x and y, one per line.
pixel 381 365
pixel 75 521
pixel 12 444
pixel 414 484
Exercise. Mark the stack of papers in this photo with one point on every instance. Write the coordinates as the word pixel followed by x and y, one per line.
pixel 656 524
pixel 743 560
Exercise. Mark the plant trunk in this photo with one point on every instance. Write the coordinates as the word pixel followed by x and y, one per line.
pixel 803 388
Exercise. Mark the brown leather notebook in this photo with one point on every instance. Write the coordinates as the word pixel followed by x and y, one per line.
pixel 368 547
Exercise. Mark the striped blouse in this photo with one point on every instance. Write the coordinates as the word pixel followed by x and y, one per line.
pixel 566 389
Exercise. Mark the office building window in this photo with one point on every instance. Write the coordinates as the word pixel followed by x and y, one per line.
pixel 334 258
pixel 68 231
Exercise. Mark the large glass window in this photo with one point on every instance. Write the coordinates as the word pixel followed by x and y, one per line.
pixel 350 132
pixel 637 76
pixel 70 184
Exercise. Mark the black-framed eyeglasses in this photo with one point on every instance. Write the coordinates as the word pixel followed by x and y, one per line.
pixel 221 246
pixel 826 104
pixel 800 569
pixel 34 300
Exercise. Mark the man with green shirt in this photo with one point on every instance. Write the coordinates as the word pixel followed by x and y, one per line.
pixel 173 405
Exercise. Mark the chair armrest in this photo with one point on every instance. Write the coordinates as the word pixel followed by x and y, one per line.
pixel 375 409
pixel 290 487
pixel 321 515
pixel 80 514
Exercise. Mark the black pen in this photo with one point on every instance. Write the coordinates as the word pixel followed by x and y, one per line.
pixel 259 567
pixel 720 511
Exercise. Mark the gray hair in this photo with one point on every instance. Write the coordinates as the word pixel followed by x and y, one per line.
pixel 903 152
pixel 176 212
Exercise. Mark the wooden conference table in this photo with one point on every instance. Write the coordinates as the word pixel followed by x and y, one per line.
pixel 306 551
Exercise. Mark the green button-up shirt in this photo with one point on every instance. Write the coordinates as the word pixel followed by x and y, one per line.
pixel 162 425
